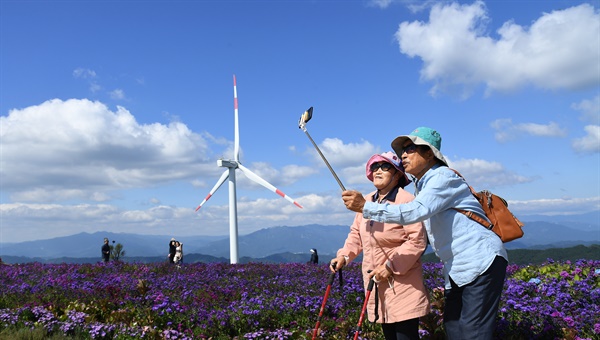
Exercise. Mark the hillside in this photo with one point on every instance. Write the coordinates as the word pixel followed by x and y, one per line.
pixel 327 239
pixel 539 256
pixel 516 256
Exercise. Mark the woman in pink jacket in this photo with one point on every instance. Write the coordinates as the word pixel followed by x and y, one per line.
pixel 391 255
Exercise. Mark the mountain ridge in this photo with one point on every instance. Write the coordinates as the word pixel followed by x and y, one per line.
pixel 270 241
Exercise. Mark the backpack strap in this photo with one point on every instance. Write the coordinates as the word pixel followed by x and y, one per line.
pixel 471 214
pixel 475 218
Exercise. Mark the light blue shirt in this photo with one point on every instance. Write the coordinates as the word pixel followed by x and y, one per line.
pixel 466 248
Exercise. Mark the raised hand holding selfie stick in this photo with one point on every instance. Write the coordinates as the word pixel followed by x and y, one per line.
pixel 306 116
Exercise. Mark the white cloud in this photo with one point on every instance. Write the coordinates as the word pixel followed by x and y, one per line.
pixel 292 173
pixel 80 149
pixel 558 206
pixel 90 75
pixel 341 155
pixel 266 212
pixel 347 160
pixel 356 175
pixel 21 222
pixel 117 94
pixel 286 176
pixel 590 110
pixel 560 50
pixel 413 5
pixel 84 73
pixel 380 3
pixel 481 174
pixel 590 143
pixel 94 87
pixel 198 183
pixel 551 129
pixel 506 130
pixel 61 220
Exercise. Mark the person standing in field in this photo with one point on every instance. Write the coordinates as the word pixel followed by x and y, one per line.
pixel 178 258
pixel 172 250
pixel 314 256
pixel 474 257
pixel 391 254
pixel 105 251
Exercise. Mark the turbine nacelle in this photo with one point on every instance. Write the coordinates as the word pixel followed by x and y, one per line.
pixel 227 163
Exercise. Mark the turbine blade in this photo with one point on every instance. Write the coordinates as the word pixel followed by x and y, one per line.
pixel 236 140
pixel 266 184
pixel 215 188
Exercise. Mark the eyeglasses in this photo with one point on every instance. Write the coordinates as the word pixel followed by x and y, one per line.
pixel 383 166
pixel 408 149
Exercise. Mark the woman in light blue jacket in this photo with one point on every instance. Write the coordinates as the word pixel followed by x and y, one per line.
pixel 474 257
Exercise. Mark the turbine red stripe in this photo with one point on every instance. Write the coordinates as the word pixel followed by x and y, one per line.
pixel 205 199
pixel 279 193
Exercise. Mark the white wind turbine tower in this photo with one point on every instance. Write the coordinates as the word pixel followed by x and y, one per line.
pixel 231 165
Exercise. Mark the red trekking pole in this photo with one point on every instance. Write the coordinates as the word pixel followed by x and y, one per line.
pixel 364 307
pixel 329 283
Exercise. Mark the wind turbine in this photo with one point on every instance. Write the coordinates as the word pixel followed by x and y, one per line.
pixel 232 165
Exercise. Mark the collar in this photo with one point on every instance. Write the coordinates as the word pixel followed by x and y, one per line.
pixel 391 196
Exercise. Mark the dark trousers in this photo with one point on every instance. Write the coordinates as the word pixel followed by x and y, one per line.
pixel 470 311
pixel 403 330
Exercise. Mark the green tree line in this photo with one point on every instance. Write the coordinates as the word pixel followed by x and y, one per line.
pixel 539 256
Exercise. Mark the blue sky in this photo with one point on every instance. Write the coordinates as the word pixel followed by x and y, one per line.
pixel 114 113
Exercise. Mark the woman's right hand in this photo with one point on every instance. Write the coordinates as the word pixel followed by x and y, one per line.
pixel 337 263
pixel 353 200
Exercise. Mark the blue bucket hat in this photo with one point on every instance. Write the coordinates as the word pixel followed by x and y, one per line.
pixel 422 136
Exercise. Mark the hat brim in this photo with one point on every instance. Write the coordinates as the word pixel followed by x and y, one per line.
pixel 400 140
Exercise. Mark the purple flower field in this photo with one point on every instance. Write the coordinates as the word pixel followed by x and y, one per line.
pixel 269 301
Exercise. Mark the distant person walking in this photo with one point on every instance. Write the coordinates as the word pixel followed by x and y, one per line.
pixel 172 250
pixel 105 251
pixel 314 256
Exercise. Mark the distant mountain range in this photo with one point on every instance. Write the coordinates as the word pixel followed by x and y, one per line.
pixel 541 232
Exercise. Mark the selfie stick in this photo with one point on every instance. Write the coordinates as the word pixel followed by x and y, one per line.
pixel 306 116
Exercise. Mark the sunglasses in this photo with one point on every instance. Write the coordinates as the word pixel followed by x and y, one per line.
pixel 408 149
pixel 383 166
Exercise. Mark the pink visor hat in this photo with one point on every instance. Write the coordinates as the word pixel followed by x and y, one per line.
pixel 388 157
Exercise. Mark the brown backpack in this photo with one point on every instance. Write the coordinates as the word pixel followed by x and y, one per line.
pixel 503 222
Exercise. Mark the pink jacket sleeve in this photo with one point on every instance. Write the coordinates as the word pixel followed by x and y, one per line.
pixel 353 244
pixel 409 252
